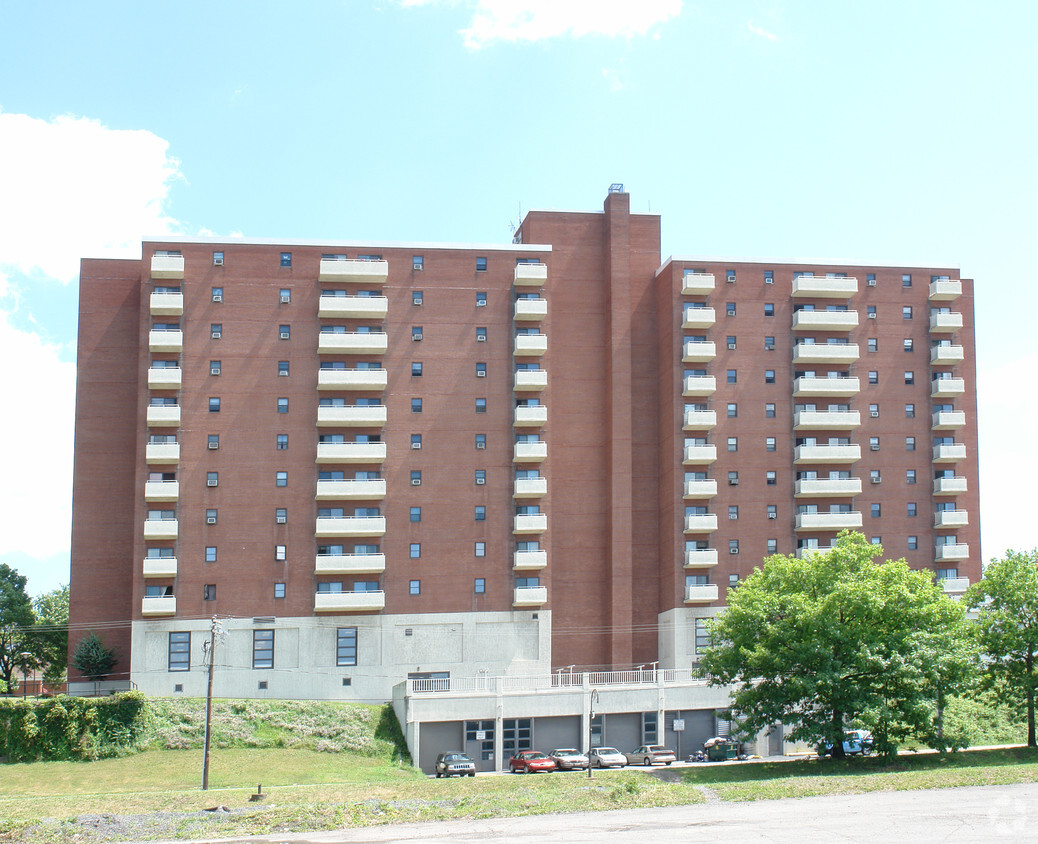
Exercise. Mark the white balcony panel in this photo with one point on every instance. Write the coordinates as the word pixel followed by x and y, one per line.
pixel 350 564
pixel 949 486
pixel 824 287
pixel 530 488
pixel 827 454
pixel 951 453
pixel 535 452
pixel 531 380
pixel 351 526
pixel 817 549
pixel 946 355
pixel 701 559
pixel 160 566
pixel 947 388
pixel 353 271
pixel 165 340
pixel 951 553
pixel 699 419
pixel 530 310
pixel 955 585
pixel 351 490
pixel 151 607
pixel 826 387
pixel 164 417
pixel 945 323
pixel 531 417
pixel 529 560
pixel 694 352
pixel 530 345
pixel 161 528
pixel 702 594
pixel 951 518
pixel 825 320
pixel 166 304
pixel 699 385
pixel 352 379
pixel 164 379
pixel 530 596
pixel 945 290
pixel 826 420
pixel 161 490
pixel 163 453
pixel 697 284
pixel 949 420
pixel 698 318
pixel 699 454
pixel 349 601
pixel 353 307
pixel 531 275
pixel 351 452
pixel 167 266
pixel 369 343
pixel 352 416
pixel 700 489
pixel 706 523
pixel 828 487
pixel 809 353
pixel 828 521
pixel 536 523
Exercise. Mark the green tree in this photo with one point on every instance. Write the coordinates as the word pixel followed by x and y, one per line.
pixel 49 637
pixel 16 618
pixel 835 638
pixel 92 659
pixel 1006 600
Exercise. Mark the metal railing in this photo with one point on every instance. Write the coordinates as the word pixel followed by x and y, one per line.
pixel 573 681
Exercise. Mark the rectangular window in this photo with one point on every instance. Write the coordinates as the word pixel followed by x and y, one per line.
pixel 212 478
pixel 417 262
pixel 282 367
pixel 282 442
pixel 481 477
pixel 214 404
pixel 214 367
pixel 481 299
pixel 284 331
pixel 733 478
pixel 874 476
pixel 281 479
pixel 415 587
pixel 212 441
pixel 772 546
pixel 262 648
pixel 416 477
pixel 216 331
pixel 769 411
pixel 481 513
pixel 874 411
pixel 346 646
pixel 733 512
pixel 729 276
pixel 770 444
pixel 909 443
pixel 217 293
pixel 729 309
pixel 733 410
pixel 211 516
pixel 286 259
pixel 873 443
pixel 913 508
pixel 877 510
pixel 481 370
pixel 906 279
pixel 873 344
pixel 873 376
pixel 416 333
pixel 733 443
pixel 416 514
pixel 733 546
pixel 732 376
pixel 913 543
pixel 479 586
pixel 415 551
pixel 769 344
pixel 910 411
pixel 218 259
pixel 908 344
pixel 769 277
pixel 769 376
pixel 416 441
pixel 906 312
pixel 416 405
pixel 209 592
pixel 769 309
pixel 481 549
pixel 416 368
pixel 210 554
pixel 279 590
pixel 416 297
pixel 280 515
pixel 285 296
pixel 481 335
pixel 481 441
pixel 481 265
pixel 280 553
pixel 179 652
pixel 283 405
pixel 909 476
pixel 481 405
pixel 770 478
pixel 731 342
pixel 909 377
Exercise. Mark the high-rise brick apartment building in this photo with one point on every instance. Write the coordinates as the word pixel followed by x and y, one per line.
pixel 451 464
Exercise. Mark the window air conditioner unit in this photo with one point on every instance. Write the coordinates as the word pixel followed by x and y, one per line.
pixel 416 445
pixel 214 371
pixel 772 515
pixel 481 303
pixel 416 337
pixel 217 297
pixel 875 480
pixel 416 266
pixel 282 519
pixel 416 301
pixel 211 520
pixel 733 482
pixel 731 347
pixel 874 414
pixel 481 445
pixel 481 374
pixel 211 483
pixel 733 550
pixel 416 481
pixel 217 262
pixel 872 316
pixel 214 446
pixel 873 448
pixel 480 481
pixel 285 300
pixel 285 335
pixel 216 335
pixel 481 338
pixel 871 282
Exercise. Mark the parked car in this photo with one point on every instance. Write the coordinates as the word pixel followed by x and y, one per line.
pixel 650 754
pixel 606 757
pixel 854 742
pixel 569 759
pixel 454 763
pixel 531 761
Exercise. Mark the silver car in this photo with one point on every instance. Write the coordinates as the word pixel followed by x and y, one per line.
pixel 569 759
pixel 650 754
pixel 606 757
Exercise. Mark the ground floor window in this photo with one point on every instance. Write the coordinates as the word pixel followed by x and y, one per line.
pixel 346 646
pixel 482 733
pixel 179 651
pixel 650 729
pixel 516 734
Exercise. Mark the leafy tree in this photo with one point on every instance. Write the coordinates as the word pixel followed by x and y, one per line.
pixel 16 617
pixel 1006 600
pixel 835 638
pixel 92 659
pixel 49 637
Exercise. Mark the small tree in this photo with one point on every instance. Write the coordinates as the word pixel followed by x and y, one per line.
pixel 16 618
pixel 92 659
pixel 1006 600
pixel 48 639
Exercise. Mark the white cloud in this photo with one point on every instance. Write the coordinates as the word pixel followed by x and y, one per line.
pixel 74 188
pixel 763 33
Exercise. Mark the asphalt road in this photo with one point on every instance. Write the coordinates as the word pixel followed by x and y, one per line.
pixel 989 814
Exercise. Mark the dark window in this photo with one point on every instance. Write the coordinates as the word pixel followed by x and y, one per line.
pixel 346 646
pixel 286 259
pixel 262 648
pixel 179 651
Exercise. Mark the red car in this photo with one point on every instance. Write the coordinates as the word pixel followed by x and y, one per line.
pixel 531 761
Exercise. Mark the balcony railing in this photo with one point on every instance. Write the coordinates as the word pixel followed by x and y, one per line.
pixel 826 387
pixel 351 490
pixel 529 560
pixel 949 486
pixel 353 271
pixel 166 304
pixel 530 488
pixel 351 452
pixel 699 385
pixel 947 553
pixel 945 290
pixel 531 275
pixel 700 489
pixel 161 490
pixel 530 345
pixel 950 453
pixel 947 388
pixel 946 355
pixel 701 594
pixel 699 559
pixel 947 420
pixel 351 526
pixel 165 340
pixel 698 317
pixel 825 320
pixel 353 343
pixel 697 284
pixel 534 523
pixel 827 420
pixel 164 378
pixel 699 454
pixel 353 307
pixel 352 379
pixel 349 601
pixel 163 453
pixel 530 310
pixel 531 380
pixel 352 416
pixel 824 287
pixel 828 521
pixel 164 605
pixel 167 266
pixel 530 416
pixel 951 518
pixel 699 419
pixel 955 585
pixel 828 487
pixel 350 564
pixel 535 452
pixel 160 567
pixel 697 351
pixel 161 528
pixel 808 353
pixel 530 596
pixel 705 523
pixel 945 323
pixel 827 454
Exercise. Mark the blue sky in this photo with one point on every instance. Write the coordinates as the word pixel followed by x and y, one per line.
pixel 891 132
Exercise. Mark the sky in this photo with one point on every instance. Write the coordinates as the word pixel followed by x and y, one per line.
pixel 890 132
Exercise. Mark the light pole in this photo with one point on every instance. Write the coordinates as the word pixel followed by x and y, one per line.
pixel 590 728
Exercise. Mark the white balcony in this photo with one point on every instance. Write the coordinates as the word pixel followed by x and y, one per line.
pixel 951 553
pixel 699 454
pixel 351 452
pixel 947 388
pixel 829 521
pixel 701 559
pixel 945 323
pixel 951 518
pixel 824 287
pixel 351 490
pixel 352 416
pixel 536 523
pixel 352 379
pixel 165 340
pixel 167 266
pixel 950 453
pixel 531 275
pixel 697 284
pixel 530 417
pixel 530 310
pixel 353 271
pixel 160 567
pixel 353 307
pixel 163 453
pixel 702 594
pixel 826 420
pixel 151 607
pixel 695 352
pixel 811 353
pixel 699 385
pixel 826 387
pixel 349 601
pixel 698 419
pixel 948 420
pixel 529 560
pixel 350 564
pixel 825 320
pixel 367 343
pixel 946 355
pixel 813 549
pixel 949 486
pixel 530 596
pixel 827 454
pixel 531 380
pixel 698 318
pixel 164 379
pixel 161 528
pixel 163 416
pixel 705 523
pixel 166 304
pixel 161 490
pixel 530 488
pixel 530 345
pixel 351 526
pixel 700 489
pixel 945 290
pixel 955 585
pixel 535 452
pixel 828 487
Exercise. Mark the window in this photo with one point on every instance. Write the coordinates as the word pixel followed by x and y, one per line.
pixel 870 279
pixel 481 265
pixel 481 477
pixel 913 543
pixel 218 259
pixel 262 648
pixel 210 553
pixel 481 549
pixel 731 342
pixel 414 587
pixel 280 553
pixel 416 514
pixel 481 513
pixel 770 478
pixel 729 309
pixel 871 311
pixel 874 476
pixel 179 652
pixel 214 404
pixel 481 405
pixel 284 331
pixel 873 443
pixel 285 296
pixel 873 376
pixel 769 309
pixel 873 344
pixel 214 367
pixel 772 511
pixel 280 515
pixel 416 332
pixel 733 546
pixel 769 277
pixel 876 540
pixel 282 367
pixel 769 376
pixel 481 370
pixel 769 344
pixel 417 262
pixel 481 441
pixel 908 344
pixel 212 441
pixel 416 297
pixel 769 444
pixel 416 441
pixel 281 479
pixel 286 259
pixel 874 411
pixel 906 279
pixel 876 510
pixel 415 550
pixel 729 276
pixel 481 335
pixel 346 646
pixel 479 586
pixel 906 312
pixel 416 477
pixel 212 478
pixel 416 368
pixel 772 546
pixel 211 516
pixel 733 410
pixel 909 476
pixel 909 377
pixel 733 479
pixel 913 509
pixel 769 411
pixel 910 411
pixel 217 294
pixel 215 330
pixel 481 299
pixel 733 512
pixel 416 405
pixel 733 443
pixel 209 592
pixel 732 376
pixel 909 443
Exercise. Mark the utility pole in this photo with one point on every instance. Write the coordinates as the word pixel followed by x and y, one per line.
pixel 209 699
pixel 591 728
